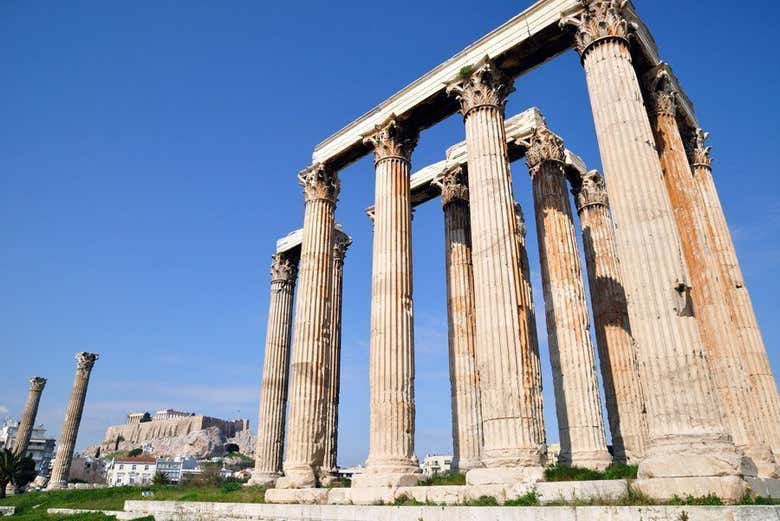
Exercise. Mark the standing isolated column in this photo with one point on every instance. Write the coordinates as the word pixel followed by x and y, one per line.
pixel 70 427
pixel 391 460
pixel 330 463
pixel 709 300
pixel 617 349
pixel 753 354
pixel 690 451
pixel 27 424
pixel 464 380
pixel 276 369
pixel 512 450
pixel 305 446
pixel 577 401
pixel 533 376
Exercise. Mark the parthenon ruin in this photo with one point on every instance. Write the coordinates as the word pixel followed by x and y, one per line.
pixel 681 355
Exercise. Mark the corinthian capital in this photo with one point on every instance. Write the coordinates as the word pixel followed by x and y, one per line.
pixel 85 361
pixel 589 190
pixel 661 94
pixel 695 141
pixel 543 146
pixel 319 181
pixel 454 185
pixel 597 20
pixel 480 86
pixel 392 139
pixel 37 383
pixel 284 269
pixel 520 218
pixel 341 244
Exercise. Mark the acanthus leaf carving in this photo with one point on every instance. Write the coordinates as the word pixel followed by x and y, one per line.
pixel 37 383
pixel 589 189
pixel 699 153
pixel 85 361
pixel 392 139
pixel 320 182
pixel 661 94
pixel 483 85
pixel 454 185
pixel 597 20
pixel 284 269
pixel 341 244
pixel 544 146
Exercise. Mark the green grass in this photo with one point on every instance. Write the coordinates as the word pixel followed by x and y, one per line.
pixel 33 505
pixel 562 473
pixel 442 480
pixel 528 500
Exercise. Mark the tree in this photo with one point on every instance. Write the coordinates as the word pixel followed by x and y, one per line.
pixel 10 465
pixel 161 478
pixel 135 452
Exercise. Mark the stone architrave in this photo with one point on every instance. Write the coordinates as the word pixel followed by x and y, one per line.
pixel 27 424
pixel 464 380
pixel 617 350
pixel 305 444
pixel 707 294
pixel 512 451
pixel 276 369
pixel 533 376
pixel 391 460
pixel 577 401
pixel 752 350
pixel 70 427
pixel 330 463
pixel 689 445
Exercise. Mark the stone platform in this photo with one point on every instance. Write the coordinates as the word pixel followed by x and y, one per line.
pixel 193 511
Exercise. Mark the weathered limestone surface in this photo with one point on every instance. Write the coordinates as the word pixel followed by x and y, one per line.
pixel 305 447
pixel 329 465
pixel 464 380
pixel 391 460
pixel 577 401
pixel 751 347
pixel 687 436
pixel 70 428
pixel 737 402
pixel 617 350
pixel 512 448
pixel 533 375
pixel 276 370
pixel 24 432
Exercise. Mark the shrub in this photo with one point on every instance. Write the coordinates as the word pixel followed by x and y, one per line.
pixel 452 478
pixel 483 501
pixel 231 486
pixel 161 478
pixel 134 453
pixel 530 499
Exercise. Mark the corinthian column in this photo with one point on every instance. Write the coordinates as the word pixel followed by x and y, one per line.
pixel 27 424
pixel 391 460
pixel 752 350
pixel 330 463
pixel 533 375
pixel 690 449
pixel 464 381
pixel 276 368
pixel 709 301
pixel 70 427
pixel 512 449
pixel 617 349
pixel 577 401
pixel 310 350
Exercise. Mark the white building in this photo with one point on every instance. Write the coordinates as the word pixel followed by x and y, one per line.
pixel 41 448
pixel 176 468
pixel 436 465
pixel 130 471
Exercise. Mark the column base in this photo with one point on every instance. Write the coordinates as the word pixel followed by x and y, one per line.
pixel 692 457
pixel 465 465
pixel 263 479
pixel 728 488
pixel 388 476
pixel 328 477
pixel 504 475
pixel 297 478
pixel 594 460
pixel 761 462
pixel 57 485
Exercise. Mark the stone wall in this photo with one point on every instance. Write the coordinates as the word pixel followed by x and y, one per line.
pixel 140 432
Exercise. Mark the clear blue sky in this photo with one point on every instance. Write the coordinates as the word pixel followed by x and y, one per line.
pixel 148 153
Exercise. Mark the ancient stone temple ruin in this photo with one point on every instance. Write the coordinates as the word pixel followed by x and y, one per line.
pixel 689 391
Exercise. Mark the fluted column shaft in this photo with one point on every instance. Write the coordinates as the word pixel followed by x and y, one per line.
pixel 687 436
pixel 577 401
pixel 752 350
pixel 510 428
pixel 391 459
pixel 330 463
pixel 304 449
pixel 707 293
pixel 276 369
pixel 464 380
pixel 533 374
pixel 27 424
pixel 617 350
pixel 70 427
